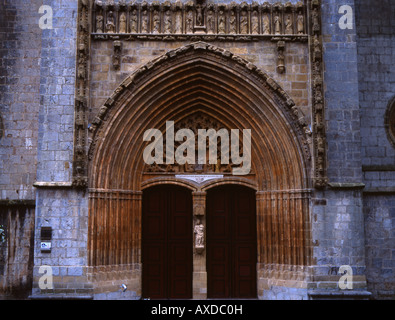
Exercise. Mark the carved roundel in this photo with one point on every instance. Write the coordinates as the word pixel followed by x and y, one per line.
pixel 390 121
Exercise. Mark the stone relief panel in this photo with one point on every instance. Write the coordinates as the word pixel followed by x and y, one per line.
pixel 183 21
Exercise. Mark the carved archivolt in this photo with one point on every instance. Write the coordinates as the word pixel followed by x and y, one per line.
pixel 171 19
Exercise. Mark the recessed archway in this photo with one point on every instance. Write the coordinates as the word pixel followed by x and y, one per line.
pixel 231 91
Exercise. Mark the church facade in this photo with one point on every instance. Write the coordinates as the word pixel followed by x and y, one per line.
pixel 197 149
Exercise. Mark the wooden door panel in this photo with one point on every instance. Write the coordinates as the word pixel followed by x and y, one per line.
pixel 231 243
pixel 167 243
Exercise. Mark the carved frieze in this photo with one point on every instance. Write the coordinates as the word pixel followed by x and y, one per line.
pixel 185 21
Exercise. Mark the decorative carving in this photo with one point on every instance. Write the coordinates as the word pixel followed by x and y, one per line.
pixel 221 21
pixel 99 22
pixel 244 22
pixel 288 24
pixel 277 23
pixel 200 19
pixel 189 22
pixel 232 22
pixel 254 22
pixel 210 20
pixel 117 55
pixel 144 21
pixel 122 23
pixel 110 25
pixel 300 23
pixel 266 24
pixel 156 22
pixel 199 235
pixel 280 57
pixel 320 178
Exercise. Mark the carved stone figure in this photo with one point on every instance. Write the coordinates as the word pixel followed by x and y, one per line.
pixel 122 23
pixel 288 25
pixel 144 22
pixel 133 22
pixel 266 24
pixel 167 21
pixel 277 24
pixel 81 66
pixel 99 23
pixel 178 23
pixel 300 23
pixel 199 15
pixel 254 22
pixel 110 26
pixel 156 22
pixel 221 22
pixel 244 22
pixel 232 22
pixel 199 234
pixel 210 21
pixel 189 22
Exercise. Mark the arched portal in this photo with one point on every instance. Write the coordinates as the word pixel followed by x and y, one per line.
pixel 200 80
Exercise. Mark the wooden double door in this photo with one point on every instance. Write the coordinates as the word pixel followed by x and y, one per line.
pixel 167 243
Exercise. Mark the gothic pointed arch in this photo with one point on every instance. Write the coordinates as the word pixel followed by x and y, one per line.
pixel 201 79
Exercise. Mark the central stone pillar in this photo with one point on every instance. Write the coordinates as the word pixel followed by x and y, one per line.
pixel 199 284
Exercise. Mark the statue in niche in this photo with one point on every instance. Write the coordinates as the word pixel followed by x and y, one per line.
pixel 300 23
pixel 288 25
pixel 122 23
pixel 167 21
pixel 156 22
pixel 232 22
pixel 199 14
pixel 221 22
pixel 277 24
pixel 110 26
pixel 254 22
pixel 189 22
pixel 133 22
pixel 99 23
pixel 178 23
pixel 244 22
pixel 210 21
pixel 266 24
pixel 199 234
pixel 144 21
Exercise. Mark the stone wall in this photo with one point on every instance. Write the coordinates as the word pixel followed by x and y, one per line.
pixel 20 50
pixel 375 27
pixel 379 213
pixel 104 79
